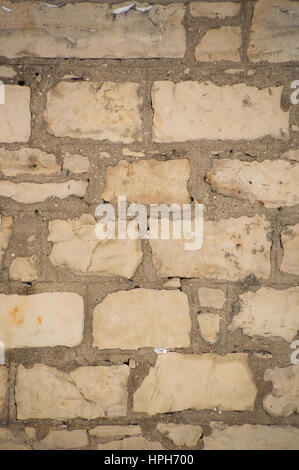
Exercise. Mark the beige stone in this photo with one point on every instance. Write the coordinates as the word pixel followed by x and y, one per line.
pixel 15 114
pixel 268 313
pixel 132 153
pixel 219 10
pixel 29 193
pixel 148 181
pixel 175 283
pixel 191 110
pixel 76 247
pixel 47 319
pixel 274 32
pixel 283 400
pixel 251 437
pixel 186 435
pixel 23 269
pixel 75 163
pixel 88 392
pixel 5 234
pixel 87 110
pixel 204 381
pixel 60 440
pixel 7 72
pixel 290 243
pixel 30 432
pixel 3 389
pixel 232 249
pixel 220 44
pixel 213 298
pixel 142 318
pixel 10 440
pixel 27 161
pixel 274 183
pixel 91 31
pixel 291 155
pixel 131 443
pixel 209 325
pixel 117 432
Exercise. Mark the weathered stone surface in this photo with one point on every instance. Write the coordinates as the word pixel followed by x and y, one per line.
pixel 77 248
pixel 268 313
pixel 91 31
pixel 60 440
pixel 27 161
pixel 292 155
pixel 23 269
pixel 87 392
pixel 142 318
pixel 29 193
pixel 208 111
pixel 15 114
pixel 220 44
pixel 3 388
pixel 204 380
pixel 209 325
pixel 251 437
pixel 290 243
pixel 175 283
pixel 117 432
pixel 214 298
pixel 75 163
pixel 274 183
pixel 47 319
pixel 7 72
pixel 232 249
pixel 181 434
pixel 283 400
pixel 274 32
pixel 5 234
pixel 148 181
pixel 131 443
pixel 214 9
pixel 10 440
pixel 87 110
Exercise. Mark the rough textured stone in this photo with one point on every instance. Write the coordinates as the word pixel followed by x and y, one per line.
pixel 220 44
pixel 87 392
pixel 181 434
pixel 131 443
pixel 75 163
pixel 274 183
pixel 208 111
pixel 175 283
pixel 290 243
pixel 142 318
pixel 274 32
pixel 59 440
pixel 251 437
pixel 27 161
pixel 7 72
pixel 209 325
pixel 91 31
pixel 117 432
pixel 214 298
pixel 5 234
pixel 232 249
pixel 3 388
pixel 15 114
pixel 47 319
pixel 87 110
pixel 268 313
pixel 283 400
pixel 10 440
pixel 77 248
pixel 292 155
pixel 204 381
pixel 23 269
pixel 214 10
pixel 148 181
pixel 29 193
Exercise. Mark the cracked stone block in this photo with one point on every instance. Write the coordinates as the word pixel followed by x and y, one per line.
pixel 220 44
pixel 283 400
pixel 15 116
pixel 23 269
pixel 290 243
pixel 219 10
pixel 182 435
pixel 60 440
pixel 27 161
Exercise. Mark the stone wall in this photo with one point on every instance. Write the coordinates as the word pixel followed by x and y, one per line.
pixel 168 102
